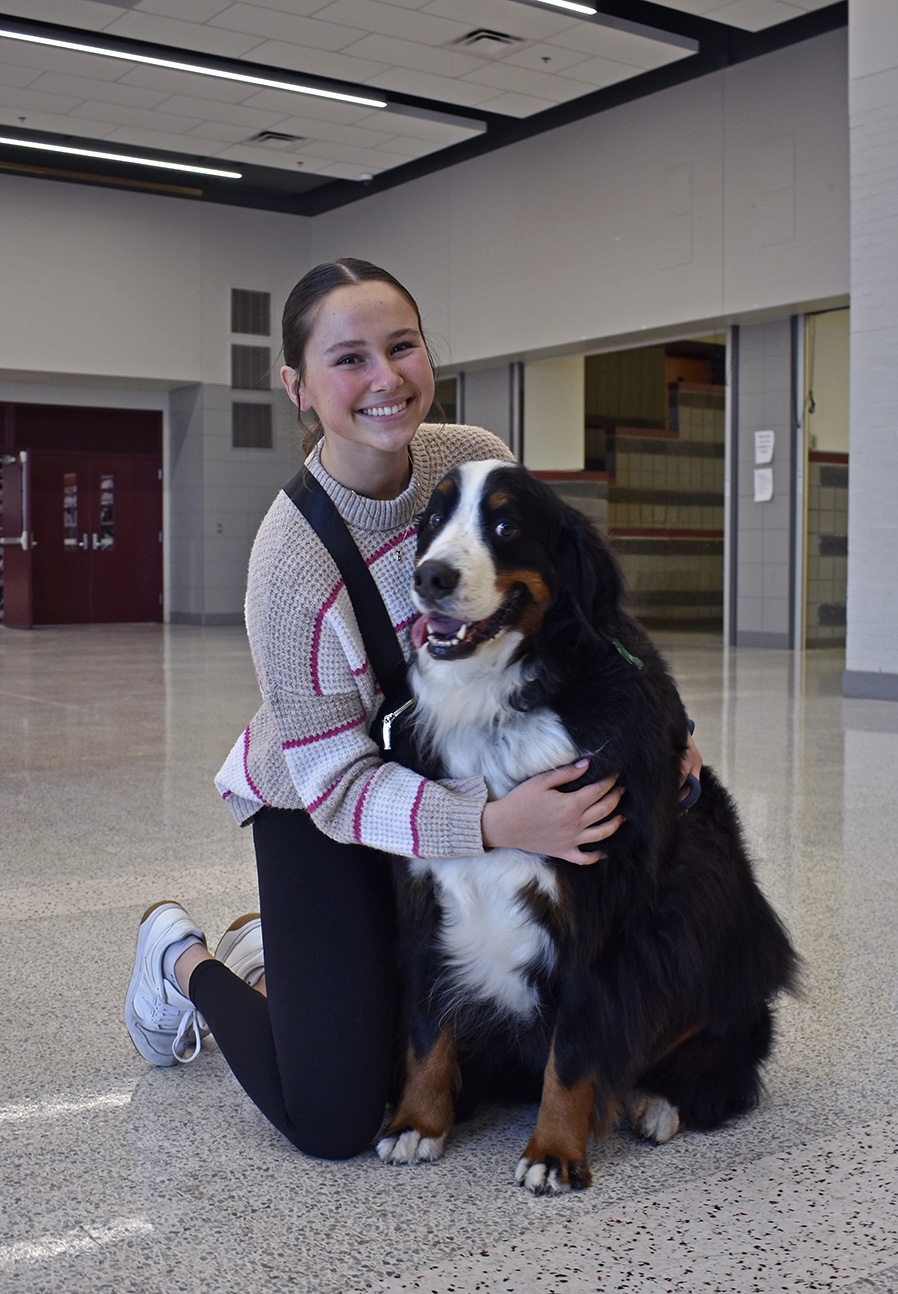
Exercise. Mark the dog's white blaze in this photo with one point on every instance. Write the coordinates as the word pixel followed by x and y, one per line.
pixel 460 544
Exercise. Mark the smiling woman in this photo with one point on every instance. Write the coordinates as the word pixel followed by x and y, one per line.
pixel 318 1055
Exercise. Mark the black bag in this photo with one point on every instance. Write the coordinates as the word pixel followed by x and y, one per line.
pixel 391 729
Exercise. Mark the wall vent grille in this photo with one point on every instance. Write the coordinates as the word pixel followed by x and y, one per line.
pixel 251 312
pixel 251 426
pixel 251 368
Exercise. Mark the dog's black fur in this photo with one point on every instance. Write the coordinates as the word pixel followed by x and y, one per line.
pixel 665 957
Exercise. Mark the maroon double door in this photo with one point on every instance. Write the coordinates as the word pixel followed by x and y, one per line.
pixel 82 516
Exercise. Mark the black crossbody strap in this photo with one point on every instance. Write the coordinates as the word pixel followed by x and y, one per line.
pixel 381 643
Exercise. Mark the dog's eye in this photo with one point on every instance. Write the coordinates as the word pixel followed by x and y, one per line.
pixel 434 521
pixel 506 530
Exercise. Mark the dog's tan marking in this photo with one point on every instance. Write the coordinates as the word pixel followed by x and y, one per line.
pixel 554 1159
pixel 431 1082
pixel 532 615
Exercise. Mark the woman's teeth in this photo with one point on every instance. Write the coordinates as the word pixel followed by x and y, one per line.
pixel 385 410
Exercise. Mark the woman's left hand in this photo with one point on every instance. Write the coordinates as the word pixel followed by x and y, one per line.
pixel 690 766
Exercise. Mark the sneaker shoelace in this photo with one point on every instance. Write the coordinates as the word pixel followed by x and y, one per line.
pixel 174 1019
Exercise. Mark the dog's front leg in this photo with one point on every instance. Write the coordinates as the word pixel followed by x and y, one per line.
pixel 417 1132
pixel 555 1157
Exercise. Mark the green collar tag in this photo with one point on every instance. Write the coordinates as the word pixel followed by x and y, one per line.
pixel 628 656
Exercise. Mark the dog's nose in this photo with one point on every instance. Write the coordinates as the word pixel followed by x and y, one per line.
pixel 435 580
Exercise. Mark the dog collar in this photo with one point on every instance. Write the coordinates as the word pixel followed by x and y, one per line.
pixel 628 656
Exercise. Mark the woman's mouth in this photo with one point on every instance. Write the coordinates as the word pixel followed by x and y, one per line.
pixel 386 410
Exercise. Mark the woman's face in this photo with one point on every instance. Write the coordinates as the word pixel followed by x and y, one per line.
pixel 367 375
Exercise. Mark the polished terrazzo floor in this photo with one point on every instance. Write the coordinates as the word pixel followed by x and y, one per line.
pixel 118 1177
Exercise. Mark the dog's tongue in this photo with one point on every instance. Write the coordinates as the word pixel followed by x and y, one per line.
pixel 442 626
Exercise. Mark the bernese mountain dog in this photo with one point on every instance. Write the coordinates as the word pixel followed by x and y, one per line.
pixel 639 985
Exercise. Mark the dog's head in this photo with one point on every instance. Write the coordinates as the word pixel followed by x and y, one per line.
pixel 501 559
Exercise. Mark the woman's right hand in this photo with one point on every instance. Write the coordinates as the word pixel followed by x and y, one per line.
pixel 538 817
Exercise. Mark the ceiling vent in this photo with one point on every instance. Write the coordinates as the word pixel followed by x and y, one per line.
pixel 489 44
pixel 276 139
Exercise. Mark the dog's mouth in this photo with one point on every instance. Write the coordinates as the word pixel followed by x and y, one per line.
pixel 448 639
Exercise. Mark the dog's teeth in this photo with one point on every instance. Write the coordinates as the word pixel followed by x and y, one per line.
pixel 461 633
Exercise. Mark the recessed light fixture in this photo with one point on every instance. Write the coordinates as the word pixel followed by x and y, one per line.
pixel 196 68
pixel 121 157
pixel 569 4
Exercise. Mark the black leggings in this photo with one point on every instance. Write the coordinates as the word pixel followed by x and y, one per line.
pixel 317 1056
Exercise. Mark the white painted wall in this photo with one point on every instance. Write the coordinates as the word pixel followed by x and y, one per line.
pixel 554 414
pixel 714 200
pixel 872 641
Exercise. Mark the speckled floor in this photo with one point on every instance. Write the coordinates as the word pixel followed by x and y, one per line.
pixel 117 1177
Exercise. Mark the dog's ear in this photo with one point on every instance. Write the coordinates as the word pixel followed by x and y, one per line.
pixel 590 581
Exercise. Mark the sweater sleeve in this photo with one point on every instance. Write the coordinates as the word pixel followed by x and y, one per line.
pixel 319 699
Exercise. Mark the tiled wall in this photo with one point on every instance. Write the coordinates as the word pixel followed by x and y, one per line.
pixel 665 512
pixel 827 548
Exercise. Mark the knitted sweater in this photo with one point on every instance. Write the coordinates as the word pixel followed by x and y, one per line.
pixel 308 745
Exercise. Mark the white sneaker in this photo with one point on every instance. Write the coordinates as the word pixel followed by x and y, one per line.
pixel 164 1025
pixel 240 948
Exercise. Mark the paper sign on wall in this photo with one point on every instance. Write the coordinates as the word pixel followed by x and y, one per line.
pixel 763 484
pixel 764 442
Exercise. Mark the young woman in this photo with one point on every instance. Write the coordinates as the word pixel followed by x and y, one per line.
pixel 309 1030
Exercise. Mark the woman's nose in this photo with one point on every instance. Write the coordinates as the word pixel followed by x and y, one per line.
pixel 386 375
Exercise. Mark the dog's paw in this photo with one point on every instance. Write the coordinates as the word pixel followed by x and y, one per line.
pixel 410 1147
pixel 552 1176
pixel 653 1117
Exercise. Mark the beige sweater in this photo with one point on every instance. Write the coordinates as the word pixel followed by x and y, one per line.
pixel 307 746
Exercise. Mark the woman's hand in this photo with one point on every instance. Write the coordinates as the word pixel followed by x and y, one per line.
pixel 690 766
pixel 539 818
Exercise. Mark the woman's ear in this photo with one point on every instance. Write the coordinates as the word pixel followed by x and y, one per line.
pixel 291 384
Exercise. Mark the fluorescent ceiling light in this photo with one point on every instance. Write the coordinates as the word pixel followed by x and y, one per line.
pixel 568 4
pixel 121 157
pixel 218 73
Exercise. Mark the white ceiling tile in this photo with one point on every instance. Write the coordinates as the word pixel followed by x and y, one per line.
pixel 10 74
pixel 420 58
pixel 219 131
pixel 506 16
pixel 410 147
pixel 134 137
pixel 168 82
pixel 543 57
pixel 341 171
pixel 285 103
pixel 255 156
pixel 389 20
pixel 29 101
pixel 64 60
pixel 359 157
pixel 183 35
pixel 65 13
pixel 195 11
pixel 51 124
pixel 519 105
pixel 122 116
pixel 422 127
pixel 521 80
pixel 236 114
pixel 698 8
pixel 361 136
pixel 600 72
pixel 406 80
pixel 623 46
pixel 318 62
pixel 269 24
pixel 755 15
pixel 81 87
pixel 297 8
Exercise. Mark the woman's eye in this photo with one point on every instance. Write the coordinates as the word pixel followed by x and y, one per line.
pixel 347 359
pixel 506 530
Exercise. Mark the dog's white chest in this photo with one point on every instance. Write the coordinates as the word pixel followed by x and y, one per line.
pixel 491 940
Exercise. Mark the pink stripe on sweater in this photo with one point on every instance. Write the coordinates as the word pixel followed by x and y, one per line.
pixel 316 804
pixel 413 820
pixel 359 808
pixel 249 781
pixel 322 736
